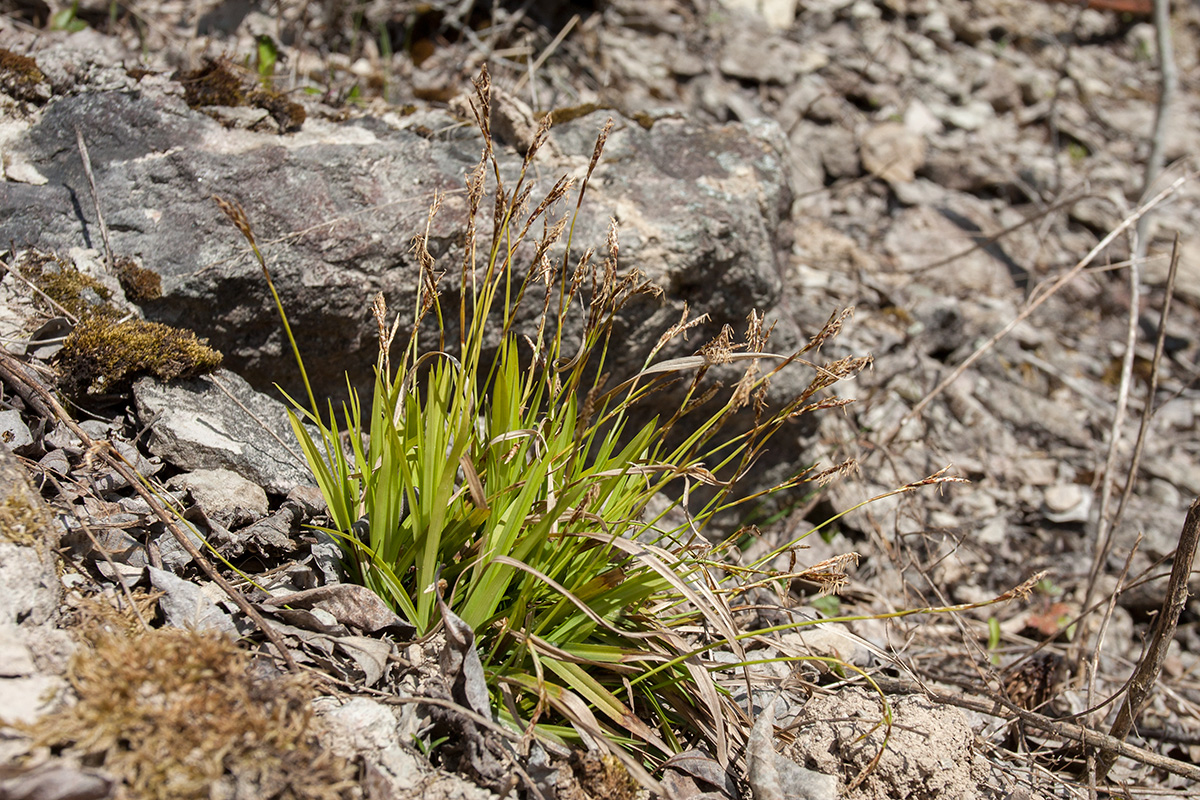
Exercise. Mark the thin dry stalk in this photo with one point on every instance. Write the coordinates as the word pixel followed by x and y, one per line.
pixel 1150 666
pixel 1166 98
pixel 81 518
pixel 984 241
pixel 16 375
pixel 1104 526
pixel 91 179
pixel 1104 542
pixel 57 306
pixel 545 54
pixel 1148 410
pixel 267 429
pixel 1106 620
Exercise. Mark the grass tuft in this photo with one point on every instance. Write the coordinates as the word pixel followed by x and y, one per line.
pixel 513 482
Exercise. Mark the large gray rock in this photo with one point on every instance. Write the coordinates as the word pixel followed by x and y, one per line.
pixel 335 206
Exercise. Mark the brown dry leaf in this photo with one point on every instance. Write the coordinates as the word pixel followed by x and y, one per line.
pixel 693 773
pixel 356 606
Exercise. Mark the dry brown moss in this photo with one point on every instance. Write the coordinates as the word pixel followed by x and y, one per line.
pixel 563 115
pixel 218 83
pixel 140 284
pixel 214 84
pixel 176 714
pixel 21 79
pixel 101 357
pixel 21 521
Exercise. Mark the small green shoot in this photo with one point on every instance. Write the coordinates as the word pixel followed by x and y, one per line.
pixel 830 605
pixel 267 53
pixel 993 644
pixel 67 19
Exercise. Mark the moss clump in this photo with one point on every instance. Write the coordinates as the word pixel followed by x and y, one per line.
pixel 178 714
pixel 21 522
pixel 289 116
pixel 81 295
pixel 214 84
pixel 217 83
pixel 140 284
pixel 21 79
pixel 103 358
pixel 104 355
pixel 24 518
pixel 645 120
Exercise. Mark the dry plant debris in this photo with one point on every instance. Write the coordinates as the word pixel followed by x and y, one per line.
pixel 174 714
pixel 219 83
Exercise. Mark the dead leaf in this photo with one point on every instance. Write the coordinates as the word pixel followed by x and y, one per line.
pixel 371 655
pixel 693 774
pixel 461 665
pixel 352 605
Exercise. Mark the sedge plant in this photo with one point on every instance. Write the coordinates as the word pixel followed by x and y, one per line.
pixel 500 472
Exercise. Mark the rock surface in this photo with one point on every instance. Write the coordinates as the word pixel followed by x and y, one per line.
pixel 219 422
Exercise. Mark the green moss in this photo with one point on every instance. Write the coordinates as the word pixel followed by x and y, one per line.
pixel 179 714
pixel 81 295
pixel 140 284
pixel 103 358
pixel 21 78
pixel 105 355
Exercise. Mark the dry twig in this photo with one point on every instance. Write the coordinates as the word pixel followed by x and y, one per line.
pixel 1158 141
pixel 1160 345
pixel 91 179
pixel 1149 668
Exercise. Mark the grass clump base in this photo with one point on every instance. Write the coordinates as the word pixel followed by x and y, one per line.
pixel 173 714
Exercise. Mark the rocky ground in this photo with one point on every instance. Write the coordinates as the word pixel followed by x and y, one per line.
pixel 946 168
